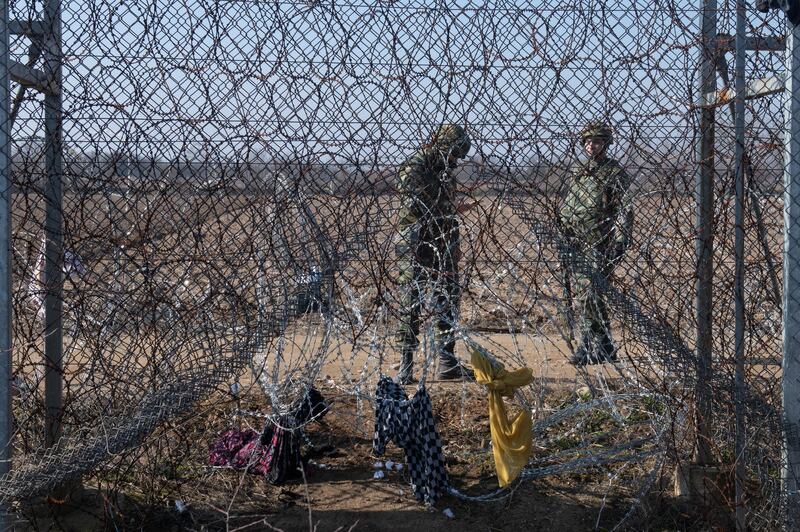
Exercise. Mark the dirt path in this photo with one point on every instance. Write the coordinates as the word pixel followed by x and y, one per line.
pixel 341 492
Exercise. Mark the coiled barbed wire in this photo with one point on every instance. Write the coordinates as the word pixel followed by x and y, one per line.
pixel 230 196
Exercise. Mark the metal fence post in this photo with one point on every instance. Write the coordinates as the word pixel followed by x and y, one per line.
pixel 791 283
pixel 54 248
pixel 5 262
pixel 738 285
pixel 705 235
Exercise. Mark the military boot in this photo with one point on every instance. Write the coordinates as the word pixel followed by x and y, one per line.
pixel 451 369
pixel 406 373
pixel 583 355
pixel 607 351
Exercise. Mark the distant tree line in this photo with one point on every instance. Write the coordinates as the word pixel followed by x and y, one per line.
pixel 118 171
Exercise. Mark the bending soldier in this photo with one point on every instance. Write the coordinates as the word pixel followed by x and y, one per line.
pixel 428 248
pixel 598 228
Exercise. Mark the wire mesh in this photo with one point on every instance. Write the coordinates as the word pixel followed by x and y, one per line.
pixel 233 201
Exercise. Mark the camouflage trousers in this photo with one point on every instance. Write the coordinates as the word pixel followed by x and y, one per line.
pixel 591 308
pixel 593 321
pixel 434 290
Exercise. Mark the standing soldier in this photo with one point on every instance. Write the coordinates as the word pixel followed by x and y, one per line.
pixel 428 248
pixel 598 228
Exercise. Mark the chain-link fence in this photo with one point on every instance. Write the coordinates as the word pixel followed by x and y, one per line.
pixel 229 196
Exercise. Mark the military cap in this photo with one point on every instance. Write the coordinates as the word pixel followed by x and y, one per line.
pixel 597 129
pixel 452 138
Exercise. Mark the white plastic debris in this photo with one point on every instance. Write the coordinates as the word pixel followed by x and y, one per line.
pixel 319 465
pixel 398 467
pixel 235 389
pixel 389 464
pixel 448 513
pixel 377 465
pixel 584 393
pixel 378 475
pixel 180 506
pixel 73 266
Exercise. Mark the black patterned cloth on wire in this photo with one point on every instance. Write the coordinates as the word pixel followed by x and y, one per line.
pixel 410 424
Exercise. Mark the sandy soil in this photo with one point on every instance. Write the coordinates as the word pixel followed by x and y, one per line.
pixel 341 493
pixel 659 269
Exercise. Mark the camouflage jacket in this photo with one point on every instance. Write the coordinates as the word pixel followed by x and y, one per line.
pixel 427 205
pixel 596 211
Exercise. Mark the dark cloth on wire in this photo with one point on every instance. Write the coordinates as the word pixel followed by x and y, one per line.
pixel 237 448
pixel 409 423
pixel 275 452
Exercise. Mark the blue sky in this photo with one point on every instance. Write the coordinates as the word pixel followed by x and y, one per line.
pixel 365 81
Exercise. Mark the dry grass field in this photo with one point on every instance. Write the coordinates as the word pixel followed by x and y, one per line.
pixel 340 492
pixel 512 303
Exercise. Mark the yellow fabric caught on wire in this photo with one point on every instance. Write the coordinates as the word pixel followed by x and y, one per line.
pixel 511 440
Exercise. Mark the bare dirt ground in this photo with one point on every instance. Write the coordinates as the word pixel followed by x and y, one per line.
pixel 344 496
pixel 165 483
pixel 140 490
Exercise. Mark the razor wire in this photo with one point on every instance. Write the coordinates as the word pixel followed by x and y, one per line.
pixel 230 202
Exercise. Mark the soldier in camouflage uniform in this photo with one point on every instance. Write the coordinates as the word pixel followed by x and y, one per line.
pixel 428 248
pixel 597 227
